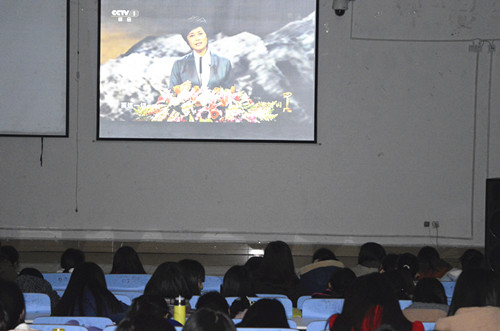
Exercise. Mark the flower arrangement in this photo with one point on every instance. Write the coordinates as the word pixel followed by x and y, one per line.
pixel 207 105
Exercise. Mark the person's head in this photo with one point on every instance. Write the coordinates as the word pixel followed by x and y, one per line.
pixel 253 264
pixel 265 313
pixel 370 301
pixel 7 270
pixel 389 263
pixel 472 259
pixel 31 272
pixel 475 288
pixel 168 281
pixel 323 254
pixel 340 281
pixel 12 299
pixel 213 300
pixel 371 254
pixel 194 274
pixel 145 323
pixel 149 304
pixel 408 262
pixel 428 259
pixel 195 33
pixel 237 283
pixel 429 290
pixel 277 264
pixel 71 258
pixel 12 255
pixel 126 261
pixel 206 319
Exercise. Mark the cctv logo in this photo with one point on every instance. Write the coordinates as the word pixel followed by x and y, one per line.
pixel 124 14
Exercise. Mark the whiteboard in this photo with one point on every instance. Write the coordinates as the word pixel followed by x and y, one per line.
pixel 33 46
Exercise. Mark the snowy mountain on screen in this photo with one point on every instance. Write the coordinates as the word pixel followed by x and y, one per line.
pixel 264 68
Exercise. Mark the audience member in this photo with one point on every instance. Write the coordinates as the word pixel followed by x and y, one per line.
pixel 253 265
pixel 369 304
pixel 168 281
pixel 470 259
pixel 194 274
pixel 237 283
pixel 12 300
pixel 314 277
pixel 213 300
pixel 475 304
pixel 150 305
pixel 126 261
pixel 30 280
pixel 429 301
pixel 11 253
pixel 265 313
pixel 206 319
pixel 370 257
pixel 145 323
pixel 276 274
pixel 389 263
pixel 88 295
pixel 7 271
pixel 408 262
pixel 70 259
pixel 340 281
pixel 430 263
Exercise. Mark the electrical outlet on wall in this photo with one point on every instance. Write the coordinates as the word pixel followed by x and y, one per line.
pixel 427 224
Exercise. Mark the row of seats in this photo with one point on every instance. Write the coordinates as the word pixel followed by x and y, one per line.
pixel 117 282
pixel 38 304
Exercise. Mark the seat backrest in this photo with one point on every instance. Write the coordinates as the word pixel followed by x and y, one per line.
pixel 59 281
pixel 37 304
pixel 271 295
pixel 124 298
pixel 318 326
pixel 212 283
pixel 194 300
pixel 449 288
pixel 127 282
pixel 404 303
pixel 321 308
pixel 130 294
pixel 51 327
pixel 428 326
pixel 87 321
pixel 300 301
pixel 109 328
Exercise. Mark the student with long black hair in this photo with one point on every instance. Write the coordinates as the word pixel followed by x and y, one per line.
pixel 475 304
pixel 194 274
pixel 276 273
pixel 87 295
pixel 168 281
pixel 126 261
pixel 369 304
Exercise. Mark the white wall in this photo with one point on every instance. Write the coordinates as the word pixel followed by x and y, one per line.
pixel 408 124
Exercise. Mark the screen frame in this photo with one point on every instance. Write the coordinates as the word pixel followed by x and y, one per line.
pixel 63 132
pixel 314 96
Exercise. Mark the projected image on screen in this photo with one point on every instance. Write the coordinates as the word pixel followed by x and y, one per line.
pixel 206 69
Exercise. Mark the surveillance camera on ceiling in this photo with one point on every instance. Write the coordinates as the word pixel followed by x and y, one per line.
pixel 340 6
